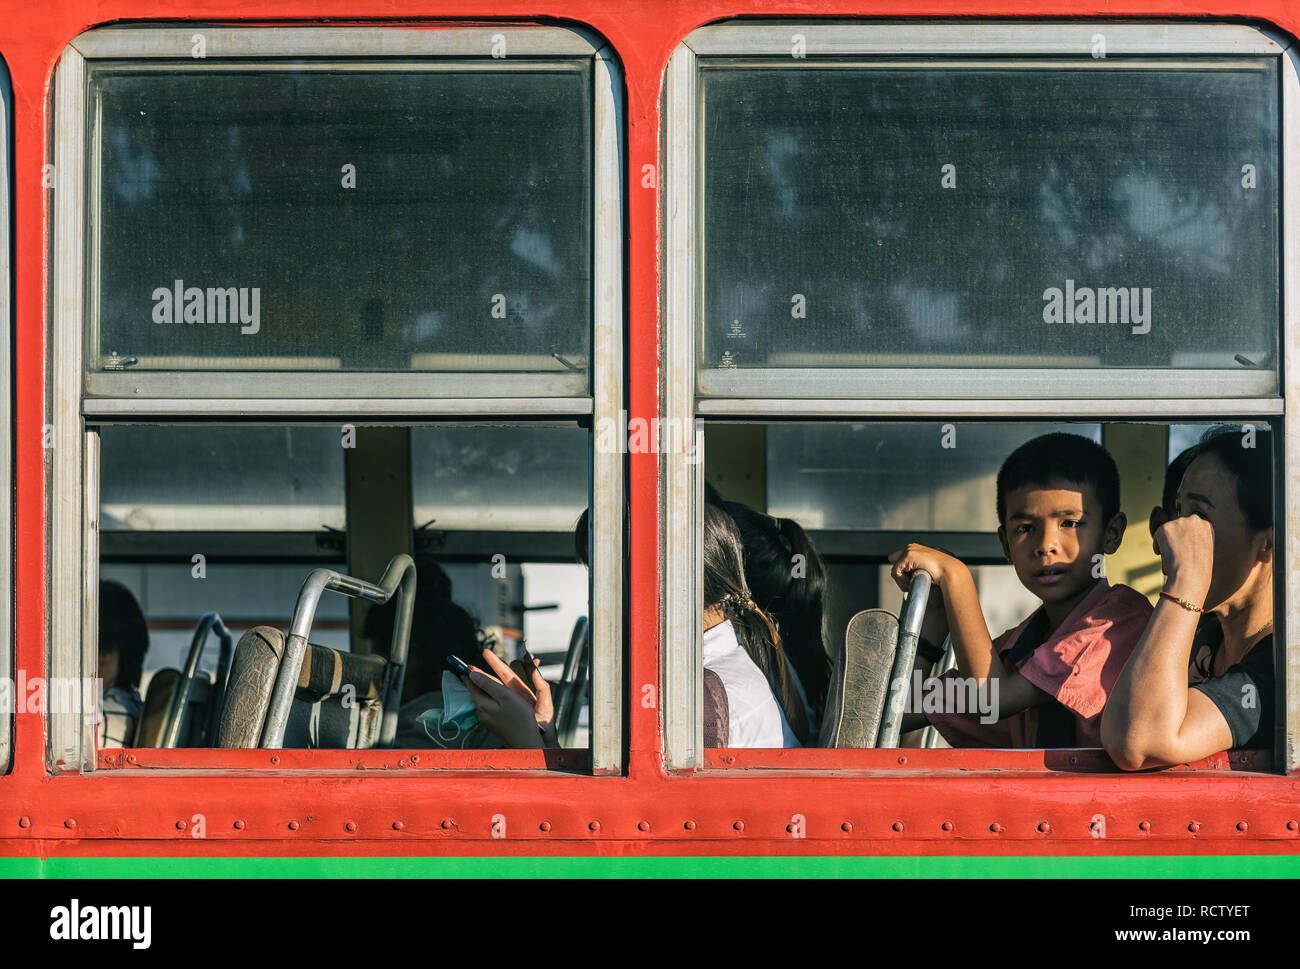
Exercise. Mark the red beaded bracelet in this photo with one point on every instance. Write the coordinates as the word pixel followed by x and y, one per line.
pixel 1189 606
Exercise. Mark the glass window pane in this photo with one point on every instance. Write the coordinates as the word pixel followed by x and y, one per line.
pixel 500 478
pixel 1064 214
pixel 298 218
pixel 208 478
pixel 916 477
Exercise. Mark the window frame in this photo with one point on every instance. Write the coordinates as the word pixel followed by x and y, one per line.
pixel 74 477
pixel 911 395
pixel 6 422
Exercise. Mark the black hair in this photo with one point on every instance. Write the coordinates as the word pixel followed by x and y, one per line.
pixel 787 579
pixel 1174 477
pixel 580 536
pixel 1251 466
pixel 122 630
pixel 724 586
pixel 1060 457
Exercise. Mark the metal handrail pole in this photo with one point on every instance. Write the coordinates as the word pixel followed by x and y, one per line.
pixel 909 632
pixel 404 587
pixel 181 697
pixel 400 573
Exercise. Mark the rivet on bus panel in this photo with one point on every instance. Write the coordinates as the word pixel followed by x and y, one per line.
pixel 293 825
pixel 350 827
pixel 995 828
pixel 239 824
pixel 398 826
pixel 70 823
pixel 1243 826
pixel 1293 825
pixel 1144 825
pixel 739 825
pixel 897 825
pixel 847 827
pixel 593 827
pixel 545 826
pixel 448 824
pixel 689 825
pixel 643 825
pixel 1044 827
pixel 947 826
pixel 1194 827
pixel 181 825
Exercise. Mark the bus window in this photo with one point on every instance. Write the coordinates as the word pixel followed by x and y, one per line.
pixel 316 263
pixel 230 520
pixel 906 224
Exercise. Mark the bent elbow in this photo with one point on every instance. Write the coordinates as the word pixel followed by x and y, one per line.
pixel 1126 757
pixel 1126 747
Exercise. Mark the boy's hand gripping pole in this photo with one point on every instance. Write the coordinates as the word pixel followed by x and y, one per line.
pixel 909 631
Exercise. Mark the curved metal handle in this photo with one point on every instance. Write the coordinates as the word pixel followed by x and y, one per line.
pixel 181 698
pixel 909 631
pixel 399 579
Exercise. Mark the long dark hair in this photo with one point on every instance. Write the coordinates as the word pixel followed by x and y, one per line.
pixel 788 581
pixel 724 586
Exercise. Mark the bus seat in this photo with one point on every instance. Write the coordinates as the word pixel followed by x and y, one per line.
pixel 158 697
pixel 337 703
pixel 859 684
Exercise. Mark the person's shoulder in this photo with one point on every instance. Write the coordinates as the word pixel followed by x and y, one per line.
pixel 123 699
pixel 1122 601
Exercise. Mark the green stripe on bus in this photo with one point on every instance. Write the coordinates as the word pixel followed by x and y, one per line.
pixel 1252 866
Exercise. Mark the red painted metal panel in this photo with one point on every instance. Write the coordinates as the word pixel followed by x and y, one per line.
pixel 321 803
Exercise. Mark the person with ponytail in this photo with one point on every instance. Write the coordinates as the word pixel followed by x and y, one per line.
pixel 750 698
pixel 743 651
pixel 788 581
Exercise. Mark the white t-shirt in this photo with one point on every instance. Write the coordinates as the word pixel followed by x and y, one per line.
pixel 754 717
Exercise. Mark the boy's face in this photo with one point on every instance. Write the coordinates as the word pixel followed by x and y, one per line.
pixel 1051 537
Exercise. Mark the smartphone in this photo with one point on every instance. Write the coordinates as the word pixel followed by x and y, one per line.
pixel 458 665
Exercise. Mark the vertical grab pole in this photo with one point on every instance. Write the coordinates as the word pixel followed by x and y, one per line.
pixel 181 698
pixel 909 631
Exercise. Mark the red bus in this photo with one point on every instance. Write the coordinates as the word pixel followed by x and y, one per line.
pixel 298 328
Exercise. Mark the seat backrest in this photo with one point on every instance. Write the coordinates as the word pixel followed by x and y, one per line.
pixel 337 703
pixel 859 683
pixel 157 706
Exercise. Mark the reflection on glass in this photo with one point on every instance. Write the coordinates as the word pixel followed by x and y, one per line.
pixel 919 477
pixel 509 478
pixel 435 220
pixel 220 478
pixel 1071 216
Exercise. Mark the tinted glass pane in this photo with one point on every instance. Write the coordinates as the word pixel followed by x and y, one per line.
pixel 344 220
pixel 1081 215
pixel 221 478
pixel 513 478
pixel 923 477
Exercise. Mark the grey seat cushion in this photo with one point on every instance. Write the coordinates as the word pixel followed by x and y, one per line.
pixel 859 685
